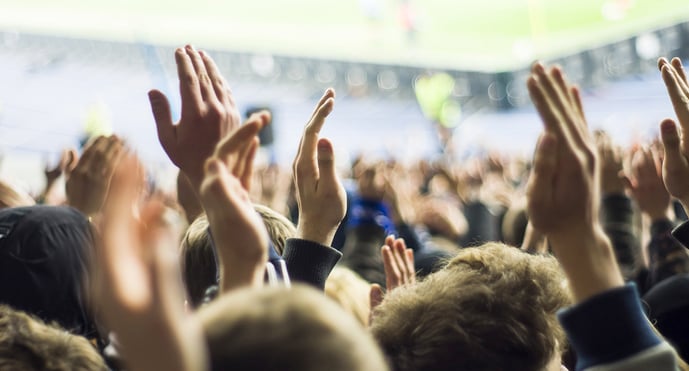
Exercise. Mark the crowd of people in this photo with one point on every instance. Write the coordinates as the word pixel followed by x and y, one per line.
pixel 574 259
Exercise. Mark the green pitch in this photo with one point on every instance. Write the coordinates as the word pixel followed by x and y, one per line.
pixel 477 34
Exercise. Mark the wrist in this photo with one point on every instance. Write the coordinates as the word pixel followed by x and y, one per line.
pixel 321 236
pixel 587 258
pixel 659 214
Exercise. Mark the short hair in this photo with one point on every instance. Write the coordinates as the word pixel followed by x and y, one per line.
pixel 277 328
pixel 351 292
pixel 490 308
pixel 199 268
pixel 197 261
pixel 27 343
pixel 278 226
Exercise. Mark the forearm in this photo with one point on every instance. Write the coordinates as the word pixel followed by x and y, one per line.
pixel 588 260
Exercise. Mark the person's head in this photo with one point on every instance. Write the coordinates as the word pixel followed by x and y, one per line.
pixel 45 253
pixel 13 196
pixel 277 328
pixel 351 292
pixel 198 261
pixel 491 308
pixel 279 228
pixel 28 344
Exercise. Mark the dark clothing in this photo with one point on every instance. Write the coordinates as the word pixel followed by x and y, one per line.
pixel 44 258
pixel 309 262
pixel 618 223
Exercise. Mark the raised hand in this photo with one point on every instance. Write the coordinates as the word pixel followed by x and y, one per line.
pixel 208 113
pixel 676 140
pixel 612 179
pixel 398 262
pixel 645 184
pixel 239 234
pixel 88 184
pixel 137 283
pixel 320 195
pixel 68 160
pixel 564 188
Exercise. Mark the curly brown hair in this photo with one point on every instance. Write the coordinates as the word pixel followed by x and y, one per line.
pixel 491 307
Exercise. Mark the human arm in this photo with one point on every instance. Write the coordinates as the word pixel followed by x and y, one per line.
pixel 239 235
pixel 208 114
pixel 398 262
pixel 320 195
pixel 67 162
pixel 88 183
pixel 564 203
pixel 675 139
pixel 666 256
pixel 138 288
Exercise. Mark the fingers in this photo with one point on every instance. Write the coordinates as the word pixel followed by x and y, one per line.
pixel 306 165
pixel 393 277
pixel 217 81
pixel 204 81
pixel 241 135
pixel 398 262
pixel 163 119
pixel 71 160
pixel 189 88
pixel 326 165
pixel 220 184
pixel 559 96
pixel 548 115
pixel 246 159
pixel 576 96
pixel 677 64
pixel 674 160
pixel 680 101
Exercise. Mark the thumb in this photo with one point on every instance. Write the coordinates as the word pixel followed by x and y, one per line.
pixel 670 137
pixel 544 168
pixel 163 118
pixel 375 297
pixel 326 164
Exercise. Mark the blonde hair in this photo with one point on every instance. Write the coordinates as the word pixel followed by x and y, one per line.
pixel 279 228
pixel 198 263
pixel 490 308
pixel 351 292
pixel 277 328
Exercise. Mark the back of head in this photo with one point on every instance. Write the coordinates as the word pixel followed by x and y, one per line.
pixel 199 267
pixel 28 344
pixel 279 228
pixel 198 261
pixel 491 308
pixel 277 328
pixel 44 257
pixel 351 292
